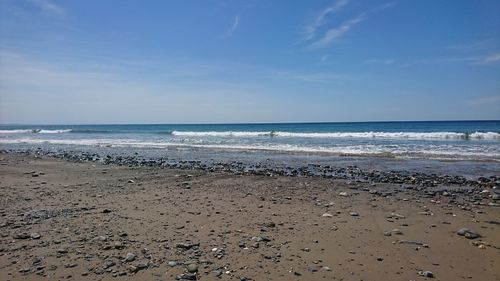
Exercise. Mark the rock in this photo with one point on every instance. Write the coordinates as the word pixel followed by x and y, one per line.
pixel 354 214
pixel 62 251
pixel 187 246
pixel 468 233
pixel 343 193
pixel 192 268
pixel 130 181
pixel 109 264
pixel 105 211
pixel 142 265
pixel 312 269
pixel 396 231
pixel 118 245
pixel 395 216
pixel 472 235
pixel 217 272
pixel 129 257
pixel 426 273
pixel 22 236
pixel 189 276
pixel 172 263
pixel 35 235
pixel 327 215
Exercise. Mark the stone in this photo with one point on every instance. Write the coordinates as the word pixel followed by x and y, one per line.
pixel 426 273
pixel 343 193
pixel 118 245
pixel 354 214
pixel 192 268
pixel 172 263
pixel 22 236
pixel 189 276
pixel 327 215
pixel 468 233
pixel 187 246
pixel 129 257
pixel 312 269
pixel 35 235
pixel 396 231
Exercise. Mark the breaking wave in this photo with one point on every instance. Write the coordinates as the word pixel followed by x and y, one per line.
pixel 356 135
pixel 34 131
pixel 434 152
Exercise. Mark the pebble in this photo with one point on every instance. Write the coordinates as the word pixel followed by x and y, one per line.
pixel 468 233
pixel 192 268
pixel 129 257
pixel 22 236
pixel 35 235
pixel 426 273
pixel 354 214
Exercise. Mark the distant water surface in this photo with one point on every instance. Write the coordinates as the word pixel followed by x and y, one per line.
pixel 437 140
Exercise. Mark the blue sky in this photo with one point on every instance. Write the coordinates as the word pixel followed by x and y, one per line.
pixel 70 62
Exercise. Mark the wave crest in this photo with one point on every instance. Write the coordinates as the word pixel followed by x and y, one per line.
pixel 34 131
pixel 359 135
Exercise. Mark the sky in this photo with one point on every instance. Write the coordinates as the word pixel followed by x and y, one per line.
pixel 116 62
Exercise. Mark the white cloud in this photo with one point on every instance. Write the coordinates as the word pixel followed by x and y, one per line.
pixel 494 58
pixel 334 33
pixel 233 27
pixel 321 19
pixel 48 7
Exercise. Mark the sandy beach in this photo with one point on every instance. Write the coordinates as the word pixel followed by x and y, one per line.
pixel 62 220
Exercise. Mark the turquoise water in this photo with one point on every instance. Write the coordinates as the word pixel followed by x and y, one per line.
pixel 446 140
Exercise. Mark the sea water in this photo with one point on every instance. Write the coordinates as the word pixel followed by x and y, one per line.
pixel 441 140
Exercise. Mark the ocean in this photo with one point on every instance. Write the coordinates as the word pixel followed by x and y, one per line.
pixel 466 148
pixel 439 140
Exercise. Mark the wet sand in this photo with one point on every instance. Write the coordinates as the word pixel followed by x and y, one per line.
pixel 62 220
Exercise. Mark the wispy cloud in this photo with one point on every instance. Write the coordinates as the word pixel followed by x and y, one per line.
pixel 320 20
pixel 318 77
pixel 491 59
pixel 324 58
pixel 472 46
pixel 48 7
pixel 469 60
pixel 233 27
pixel 485 100
pixel 334 33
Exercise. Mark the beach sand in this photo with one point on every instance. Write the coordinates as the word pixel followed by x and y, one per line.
pixel 62 220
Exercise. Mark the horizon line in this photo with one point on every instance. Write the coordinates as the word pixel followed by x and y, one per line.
pixel 247 123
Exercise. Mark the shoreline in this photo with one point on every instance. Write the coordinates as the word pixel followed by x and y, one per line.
pixel 80 220
pixel 344 170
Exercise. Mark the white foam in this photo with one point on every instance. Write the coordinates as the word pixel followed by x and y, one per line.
pixel 430 152
pixel 54 131
pixel 35 131
pixel 14 131
pixel 357 135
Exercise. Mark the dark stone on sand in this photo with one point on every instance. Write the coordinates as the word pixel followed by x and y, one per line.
pixel 468 233
pixel 22 236
pixel 187 246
